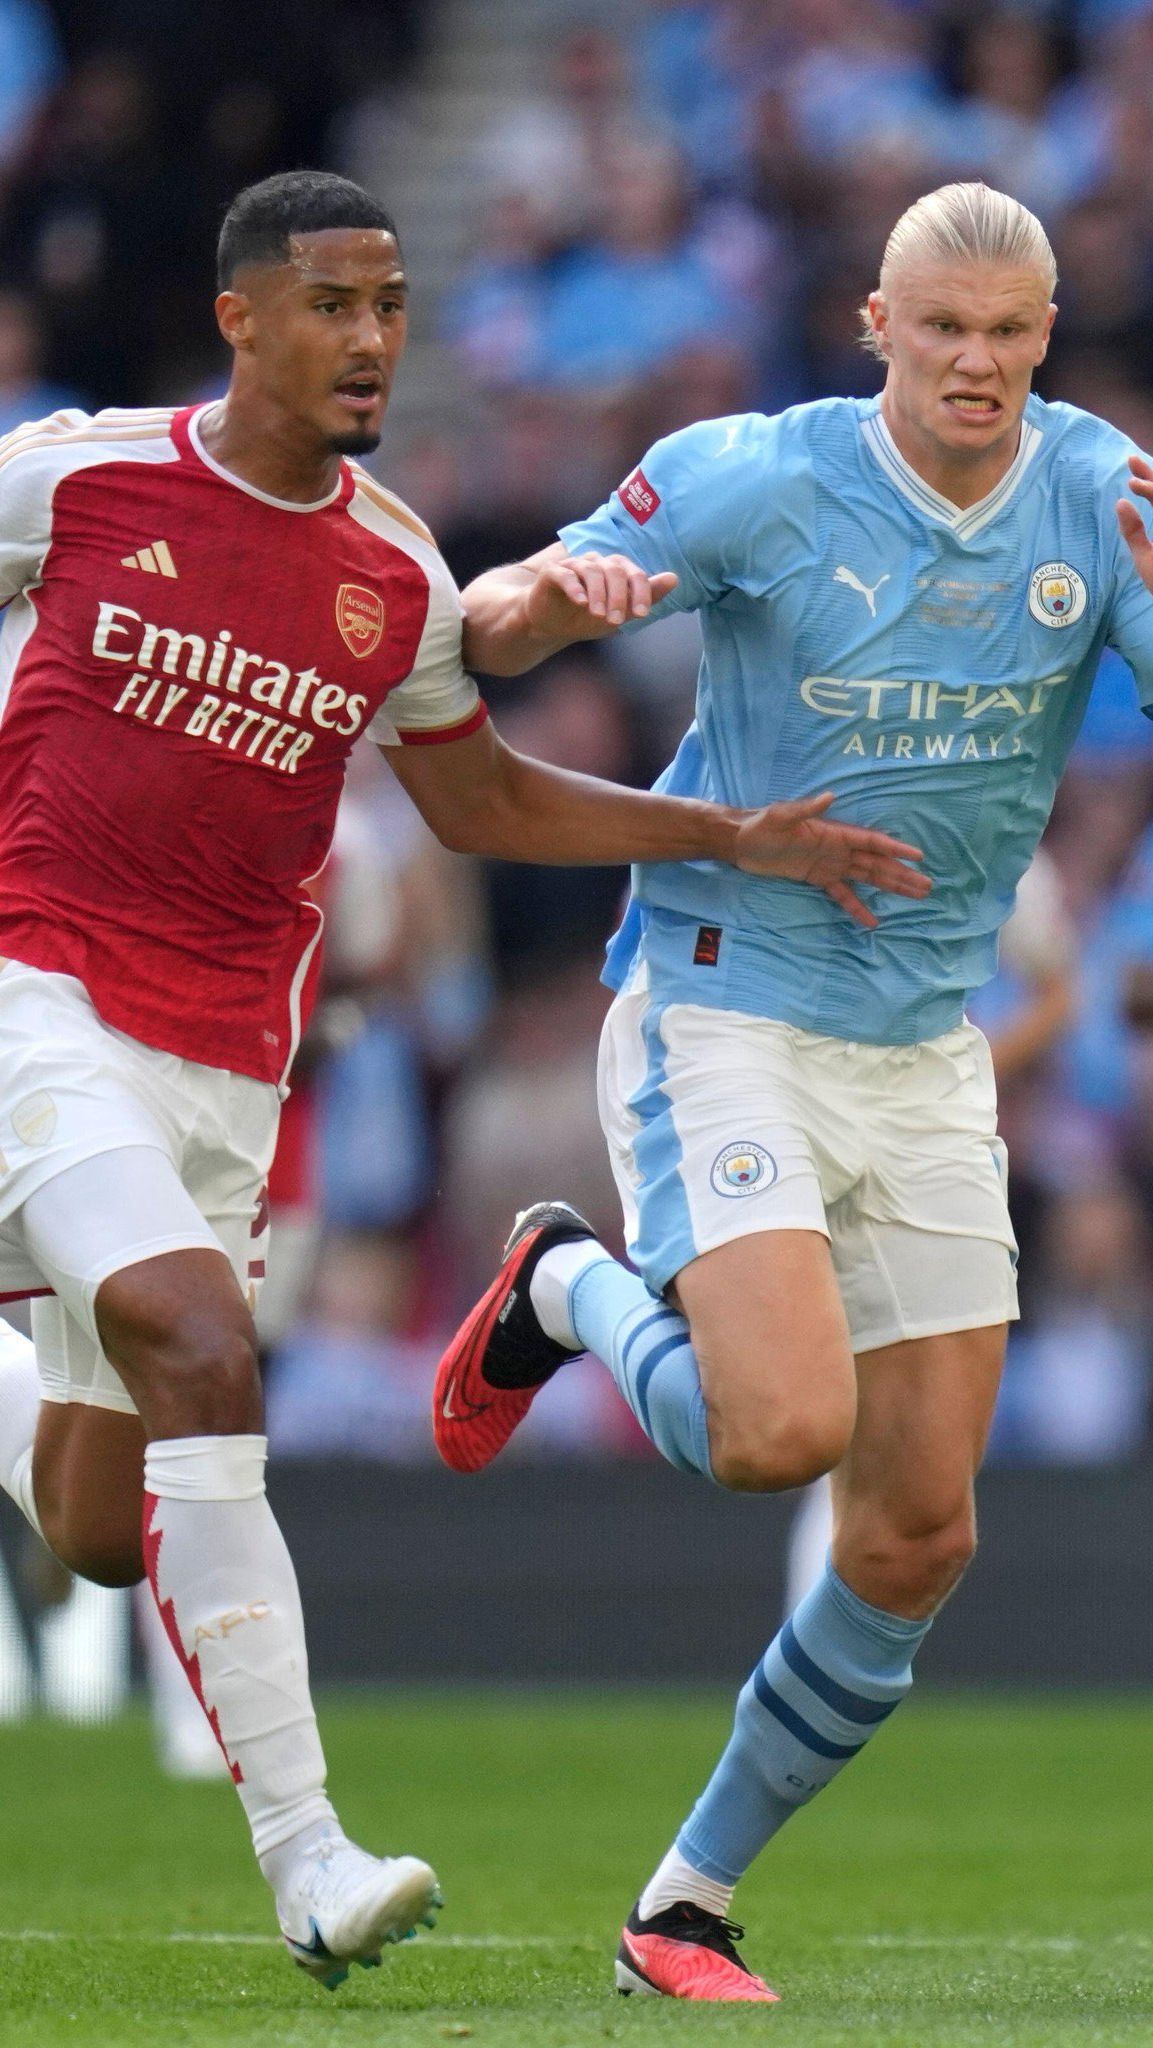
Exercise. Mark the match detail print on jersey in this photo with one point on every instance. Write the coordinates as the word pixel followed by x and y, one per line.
pixel 185 664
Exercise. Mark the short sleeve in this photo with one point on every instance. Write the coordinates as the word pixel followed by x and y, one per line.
pixel 680 510
pixel 438 700
pixel 1130 627
pixel 28 475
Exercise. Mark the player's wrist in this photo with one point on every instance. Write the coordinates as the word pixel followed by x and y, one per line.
pixel 533 615
pixel 720 826
pixel 502 636
pixel 539 621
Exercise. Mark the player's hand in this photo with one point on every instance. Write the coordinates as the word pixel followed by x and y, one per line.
pixel 1131 523
pixel 586 597
pixel 798 842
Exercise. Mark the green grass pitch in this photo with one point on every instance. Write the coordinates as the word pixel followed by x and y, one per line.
pixel 982 1875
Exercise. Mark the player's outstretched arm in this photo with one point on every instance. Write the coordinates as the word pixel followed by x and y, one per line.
pixel 1130 521
pixel 478 796
pixel 514 617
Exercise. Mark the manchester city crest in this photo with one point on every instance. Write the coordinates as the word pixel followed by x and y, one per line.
pixel 743 1169
pixel 1057 594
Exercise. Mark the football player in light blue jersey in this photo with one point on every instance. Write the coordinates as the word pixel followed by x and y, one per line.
pixel 902 600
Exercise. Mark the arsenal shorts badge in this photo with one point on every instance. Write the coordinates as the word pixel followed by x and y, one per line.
pixel 360 616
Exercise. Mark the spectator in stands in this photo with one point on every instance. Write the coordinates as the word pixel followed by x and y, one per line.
pixel 25 393
pixel 1002 125
pixel 555 148
pixel 93 217
pixel 646 291
pixel 30 67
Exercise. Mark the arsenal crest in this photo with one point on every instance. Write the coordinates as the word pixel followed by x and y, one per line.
pixel 360 616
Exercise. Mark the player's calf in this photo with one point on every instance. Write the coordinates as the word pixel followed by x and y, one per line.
pixel 88 1477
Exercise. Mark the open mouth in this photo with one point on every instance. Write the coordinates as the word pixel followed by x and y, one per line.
pixel 968 406
pixel 360 394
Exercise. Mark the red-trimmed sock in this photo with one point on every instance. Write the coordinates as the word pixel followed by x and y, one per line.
pixel 224 1583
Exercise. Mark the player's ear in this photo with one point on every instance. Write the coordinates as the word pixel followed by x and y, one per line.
pixel 877 316
pixel 1050 316
pixel 234 319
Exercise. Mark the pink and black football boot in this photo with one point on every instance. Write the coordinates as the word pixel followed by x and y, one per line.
pixel 500 1357
pixel 684 1952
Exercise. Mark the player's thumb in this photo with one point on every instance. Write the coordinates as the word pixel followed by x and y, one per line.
pixel 803 807
pixel 660 586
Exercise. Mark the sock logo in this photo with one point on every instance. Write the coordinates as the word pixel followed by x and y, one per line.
pixel 743 1169
pixel 223 1625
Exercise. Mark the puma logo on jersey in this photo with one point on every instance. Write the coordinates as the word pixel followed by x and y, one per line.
pixel 843 575
pixel 155 559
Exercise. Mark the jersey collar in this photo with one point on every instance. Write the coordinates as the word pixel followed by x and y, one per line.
pixel 965 521
pixel 186 434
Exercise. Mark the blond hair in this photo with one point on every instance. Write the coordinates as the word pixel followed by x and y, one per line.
pixel 964 224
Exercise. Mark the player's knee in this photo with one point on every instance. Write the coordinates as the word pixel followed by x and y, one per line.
pixel 949 1553
pixel 913 1571
pixel 205 1385
pixel 773 1454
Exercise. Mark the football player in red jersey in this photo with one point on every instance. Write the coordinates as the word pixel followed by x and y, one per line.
pixel 204 609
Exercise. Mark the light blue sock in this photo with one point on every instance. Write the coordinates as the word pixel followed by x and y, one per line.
pixel 834 1673
pixel 645 1345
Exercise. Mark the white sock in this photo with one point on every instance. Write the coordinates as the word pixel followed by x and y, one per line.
pixel 227 1593
pixel 19 1410
pixel 554 1276
pixel 187 1746
pixel 675 1879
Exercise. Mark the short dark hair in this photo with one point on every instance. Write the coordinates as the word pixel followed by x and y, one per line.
pixel 261 219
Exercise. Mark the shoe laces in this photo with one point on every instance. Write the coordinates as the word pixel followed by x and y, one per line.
pixel 729 1930
pixel 709 1930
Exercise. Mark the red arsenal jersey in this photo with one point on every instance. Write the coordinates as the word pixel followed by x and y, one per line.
pixel 185 664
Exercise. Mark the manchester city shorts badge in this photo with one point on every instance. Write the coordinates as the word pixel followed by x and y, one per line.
pixel 743 1169
pixel 1057 594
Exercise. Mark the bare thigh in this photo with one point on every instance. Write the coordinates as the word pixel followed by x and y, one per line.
pixel 772 1343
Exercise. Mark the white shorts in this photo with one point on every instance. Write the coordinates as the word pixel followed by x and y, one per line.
pixel 721 1125
pixel 112 1152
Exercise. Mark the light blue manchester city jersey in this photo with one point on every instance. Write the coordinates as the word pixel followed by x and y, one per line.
pixel 861 634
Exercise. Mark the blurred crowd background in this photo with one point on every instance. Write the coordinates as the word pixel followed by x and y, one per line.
pixel 617 219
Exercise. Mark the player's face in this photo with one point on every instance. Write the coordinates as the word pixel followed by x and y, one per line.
pixel 962 342
pixel 326 330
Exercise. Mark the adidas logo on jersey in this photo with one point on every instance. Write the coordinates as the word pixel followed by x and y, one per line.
pixel 156 559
